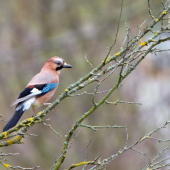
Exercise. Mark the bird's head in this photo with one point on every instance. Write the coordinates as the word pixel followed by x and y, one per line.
pixel 57 63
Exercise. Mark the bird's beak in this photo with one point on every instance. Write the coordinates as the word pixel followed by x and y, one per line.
pixel 67 65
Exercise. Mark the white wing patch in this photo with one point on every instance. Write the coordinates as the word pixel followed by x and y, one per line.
pixel 35 90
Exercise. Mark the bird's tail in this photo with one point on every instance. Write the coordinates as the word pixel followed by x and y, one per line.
pixel 15 118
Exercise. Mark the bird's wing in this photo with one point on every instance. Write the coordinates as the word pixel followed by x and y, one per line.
pixel 34 91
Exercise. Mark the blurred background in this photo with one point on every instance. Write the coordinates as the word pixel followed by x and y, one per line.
pixel 31 32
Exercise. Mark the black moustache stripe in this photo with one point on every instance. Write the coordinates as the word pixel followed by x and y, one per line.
pixel 59 68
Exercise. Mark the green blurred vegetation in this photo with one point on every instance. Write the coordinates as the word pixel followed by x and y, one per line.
pixel 33 31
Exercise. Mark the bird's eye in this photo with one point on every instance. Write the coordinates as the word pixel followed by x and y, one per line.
pixel 58 63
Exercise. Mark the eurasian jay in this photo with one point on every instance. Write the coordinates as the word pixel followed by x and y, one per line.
pixel 39 90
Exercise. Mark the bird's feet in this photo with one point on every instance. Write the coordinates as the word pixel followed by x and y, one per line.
pixel 34 111
pixel 47 104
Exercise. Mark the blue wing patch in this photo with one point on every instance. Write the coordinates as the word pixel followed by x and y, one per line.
pixel 49 87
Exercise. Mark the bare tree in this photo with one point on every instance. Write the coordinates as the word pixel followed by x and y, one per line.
pixel 121 64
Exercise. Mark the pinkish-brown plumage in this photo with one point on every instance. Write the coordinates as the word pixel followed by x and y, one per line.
pixel 39 90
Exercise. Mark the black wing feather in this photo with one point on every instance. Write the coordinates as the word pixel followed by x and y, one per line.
pixel 27 90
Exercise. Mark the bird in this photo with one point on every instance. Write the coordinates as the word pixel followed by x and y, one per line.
pixel 39 90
